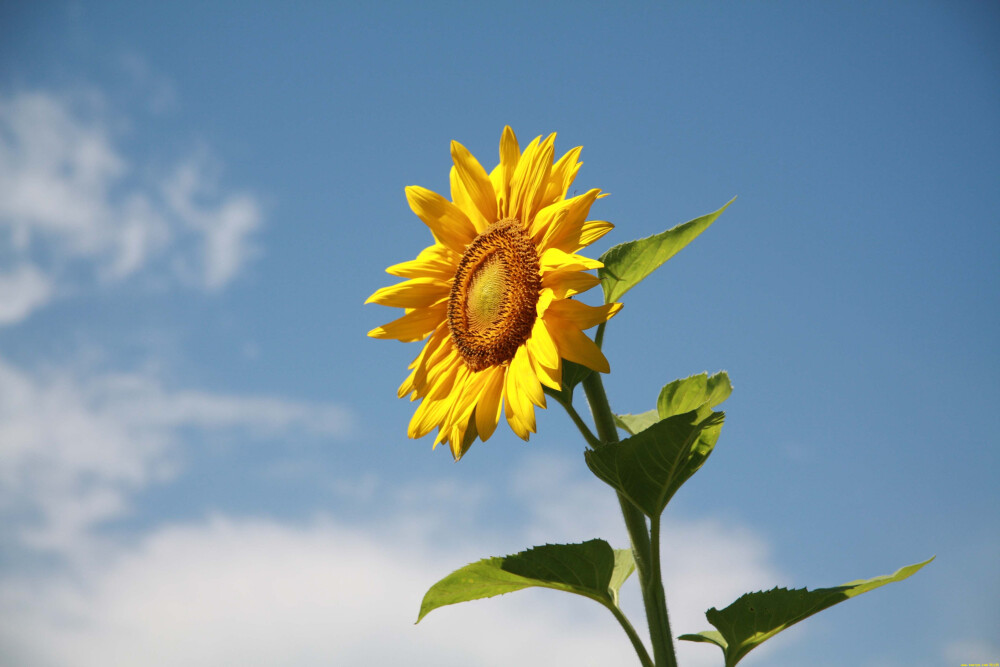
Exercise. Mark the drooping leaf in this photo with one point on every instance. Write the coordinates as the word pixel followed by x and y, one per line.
pixel 627 264
pixel 650 466
pixel 592 569
pixel 756 617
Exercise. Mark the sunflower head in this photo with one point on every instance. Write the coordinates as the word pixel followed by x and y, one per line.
pixel 491 296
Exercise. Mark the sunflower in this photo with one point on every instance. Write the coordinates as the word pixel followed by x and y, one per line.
pixel 491 296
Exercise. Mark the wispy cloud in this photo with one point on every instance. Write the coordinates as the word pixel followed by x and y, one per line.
pixel 71 200
pixel 74 449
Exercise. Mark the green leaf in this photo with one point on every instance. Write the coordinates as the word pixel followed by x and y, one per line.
pixel 635 423
pixel 592 569
pixel 692 393
pixel 624 567
pixel 756 617
pixel 627 264
pixel 572 375
pixel 708 637
pixel 650 466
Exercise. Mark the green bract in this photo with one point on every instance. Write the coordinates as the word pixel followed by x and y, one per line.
pixel 626 265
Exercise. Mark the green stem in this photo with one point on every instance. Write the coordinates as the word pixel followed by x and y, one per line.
pixel 635 521
pixel 633 636
pixel 656 586
pixel 577 419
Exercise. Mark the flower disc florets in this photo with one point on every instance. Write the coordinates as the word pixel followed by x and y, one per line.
pixel 491 308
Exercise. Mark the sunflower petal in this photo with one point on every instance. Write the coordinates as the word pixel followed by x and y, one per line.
pixel 436 261
pixel 501 177
pixel 565 232
pixel 568 283
pixel 574 345
pixel 581 315
pixel 415 325
pixel 591 231
pixel 563 173
pixel 518 409
pixel 527 381
pixel 541 346
pixel 426 417
pixel 488 407
pixel 463 200
pixel 415 293
pixel 550 377
pixel 449 225
pixel 555 259
pixel 476 181
pixel 528 183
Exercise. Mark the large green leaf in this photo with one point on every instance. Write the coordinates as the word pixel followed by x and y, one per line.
pixel 650 466
pixel 592 569
pixel 756 617
pixel 627 264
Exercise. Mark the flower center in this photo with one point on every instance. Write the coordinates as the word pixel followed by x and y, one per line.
pixel 491 309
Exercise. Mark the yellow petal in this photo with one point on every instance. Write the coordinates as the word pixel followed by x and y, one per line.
pixel 488 407
pixel 562 175
pixel 550 377
pixel 476 181
pixel 590 232
pixel 436 261
pixel 459 441
pixel 527 381
pixel 528 183
pixel 449 225
pixel 427 417
pixel 568 283
pixel 580 314
pixel 565 232
pixel 441 378
pixel 418 377
pixel 437 348
pixel 541 346
pixel 513 417
pixel 415 325
pixel 555 259
pixel 463 200
pixel 416 293
pixel 574 345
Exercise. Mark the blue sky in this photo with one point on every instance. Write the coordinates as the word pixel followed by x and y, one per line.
pixel 202 458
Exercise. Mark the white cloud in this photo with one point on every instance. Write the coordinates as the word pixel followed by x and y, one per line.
pixel 70 199
pixel 251 592
pixel 21 291
pixel 257 592
pixel 73 450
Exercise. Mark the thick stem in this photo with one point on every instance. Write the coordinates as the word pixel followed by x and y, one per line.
pixel 653 597
pixel 656 586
